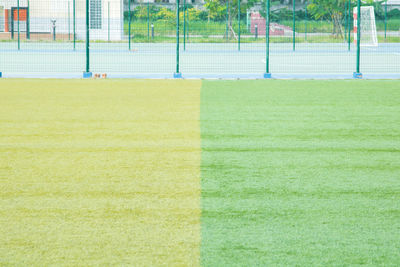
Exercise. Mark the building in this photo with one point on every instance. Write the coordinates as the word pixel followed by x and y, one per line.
pixel 258 27
pixel 392 4
pixel 44 17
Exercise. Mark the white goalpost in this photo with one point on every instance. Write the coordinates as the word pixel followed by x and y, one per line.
pixel 367 26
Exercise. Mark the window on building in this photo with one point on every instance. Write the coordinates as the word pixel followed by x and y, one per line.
pixel 95 14
pixel 2 19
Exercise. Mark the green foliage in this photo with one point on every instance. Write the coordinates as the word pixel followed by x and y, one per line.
pixel 216 9
pixel 286 14
pixel 392 25
pixel 393 14
pixel 333 10
pixel 201 31
pixel 195 14
pixel 281 14
pixel 140 12
pixel 165 14
pixel 320 9
pixel 327 9
pixel 323 15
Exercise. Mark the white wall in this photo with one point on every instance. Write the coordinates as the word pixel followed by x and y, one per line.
pixel 42 12
pixel 12 3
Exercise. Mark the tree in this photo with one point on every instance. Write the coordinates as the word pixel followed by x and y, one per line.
pixel 217 10
pixel 166 14
pixel 334 10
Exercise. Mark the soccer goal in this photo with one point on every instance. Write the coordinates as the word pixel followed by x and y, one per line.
pixel 367 26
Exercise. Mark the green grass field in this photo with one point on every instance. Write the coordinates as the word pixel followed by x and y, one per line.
pixel 210 173
pixel 300 173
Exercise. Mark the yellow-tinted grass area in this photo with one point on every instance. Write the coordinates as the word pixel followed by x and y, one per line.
pixel 99 172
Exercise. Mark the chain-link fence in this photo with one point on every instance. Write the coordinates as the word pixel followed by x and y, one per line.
pixel 214 38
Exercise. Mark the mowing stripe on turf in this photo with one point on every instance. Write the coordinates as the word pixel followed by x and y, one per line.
pixel 300 173
pixel 99 173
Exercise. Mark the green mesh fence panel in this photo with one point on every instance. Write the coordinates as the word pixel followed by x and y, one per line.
pixel 305 39
pixel 383 58
pixel 224 38
pixel 43 42
pixel 222 42
pixel 143 42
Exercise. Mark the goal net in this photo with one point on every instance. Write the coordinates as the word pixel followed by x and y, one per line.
pixel 367 26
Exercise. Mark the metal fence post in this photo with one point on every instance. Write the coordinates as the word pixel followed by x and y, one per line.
pixel 239 25
pixel 19 41
pixel 358 74
pixel 187 25
pixel 346 19
pixel 385 18
pixel 247 20
pixel 349 25
pixel 227 20
pixel 177 74
pixel 305 10
pixel 87 73
pixel 294 25
pixel 28 30
pixel 129 24
pixel 53 21
pixel 108 21
pixel 69 21
pixel 267 74
pixel 184 25
pixel 148 20
pixel 74 23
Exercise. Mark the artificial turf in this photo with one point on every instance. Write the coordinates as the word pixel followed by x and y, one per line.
pixel 300 173
pixel 237 173
pixel 99 173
